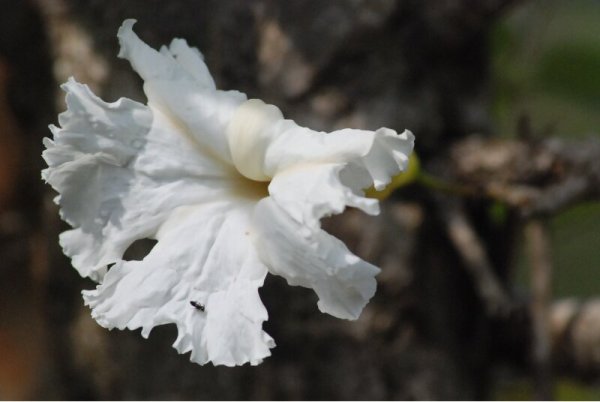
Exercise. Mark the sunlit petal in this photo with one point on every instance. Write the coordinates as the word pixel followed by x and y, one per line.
pixel 188 97
pixel 312 258
pixel 204 256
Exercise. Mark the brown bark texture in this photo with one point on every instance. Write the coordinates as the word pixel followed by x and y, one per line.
pixel 445 315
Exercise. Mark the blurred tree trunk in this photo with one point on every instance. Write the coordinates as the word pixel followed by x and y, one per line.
pixel 26 105
pixel 421 65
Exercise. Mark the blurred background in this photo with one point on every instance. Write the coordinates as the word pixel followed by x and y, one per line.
pixel 490 253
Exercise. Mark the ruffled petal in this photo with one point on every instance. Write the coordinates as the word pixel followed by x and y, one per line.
pixel 120 169
pixel 382 153
pixel 314 174
pixel 312 258
pixel 204 256
pixel 313 191
pixel 192 61
pixel 264 144
pixel 318 174
pixel 177 82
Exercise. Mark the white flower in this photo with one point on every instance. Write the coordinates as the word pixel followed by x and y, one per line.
pixel 229 188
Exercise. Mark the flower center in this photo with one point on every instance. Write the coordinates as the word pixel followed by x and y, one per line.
pixel 249 134
pixel 250 189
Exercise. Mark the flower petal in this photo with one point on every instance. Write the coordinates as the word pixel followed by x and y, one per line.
pixel 314 174
pixel 264 144
pixel 192 61
pixel 319 174
pixel 312 258
pixel 313 191
pixel 178 83
pixel 203 255
pixel 120 169
pixel 382 153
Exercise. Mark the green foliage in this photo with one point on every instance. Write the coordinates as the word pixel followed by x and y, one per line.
pixel 521 389
pixel 498 213
pixel 546 65
pixel 572 71
pixel 570 390
pixel 576 237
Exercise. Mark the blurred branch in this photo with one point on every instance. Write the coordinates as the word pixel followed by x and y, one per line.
pixel 536 178
pixel 472 251
pixel 541 291
pixel 575 329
